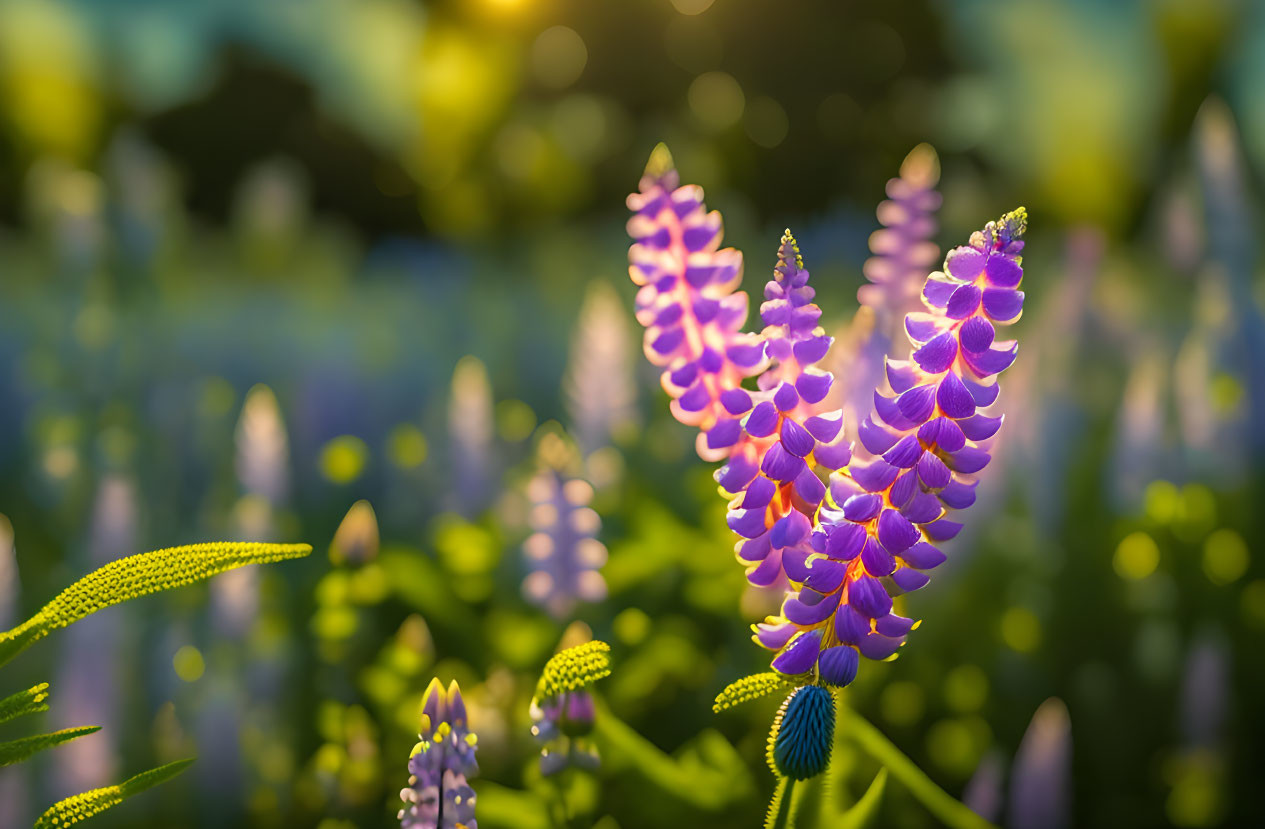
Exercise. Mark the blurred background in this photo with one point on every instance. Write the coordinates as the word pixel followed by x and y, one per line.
pixel 261 261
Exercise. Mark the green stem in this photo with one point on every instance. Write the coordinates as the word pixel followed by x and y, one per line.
pixel 872 741
pixel 783 816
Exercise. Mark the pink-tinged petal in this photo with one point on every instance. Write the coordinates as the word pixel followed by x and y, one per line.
pixel 963 302
pixel 747 523
pixel 932 472
pixel 759 493
pixel 874 476
pixel 983 392
pixel 725 433
pixel 867 595
pixel 825 427
pixel 711 361
pixel 921 326
pixel 845 541
pixel 833 455
pixel 809 489
pixel 807 613
pixel 811 350
pixel 875 438
pixel 953 398
pixel 923 556
pixel 896 533
pixel 736 401
pixel 909 580
pixel 768 572
pixel 785 398
pixel 814 384
pixel 901 375
pixel 993 361
pixel 773 636
pixel 795 438
pixel 698 237
pixel 863 507
pixel 942 530
pixel 905 453
pixel 878 562
pixel 918 403
pixel 737 473
pixel 1003 304
pixel 790 529
pixel 825 575
pixel 965 263
pixel 1003 272
pixel 977 333
pixel 878 647
pixel 937 290
pixel 667 341
pixel 850 624
pixel 800 655
pixel 684 375
pixel 922 508
pixel 705 309
pixel 762 421
pixel 838 665
pixel 781 465
pixel 938 353
pixel 968 459
pixel 893 625
pixel 903 488
pixel 980 427
pixel 958 494
pixel 745 354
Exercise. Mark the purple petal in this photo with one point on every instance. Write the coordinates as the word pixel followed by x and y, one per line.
pixel 800 655
pixel 737 473
pixel 932 471
pixel 875 476
pixel 905 453
pixel 878 647
pixel 790 529
pixel 809 489
pixel 917 403
pixel 833 455
pixel 813 385
pixel 736 401
pixel 838 665
pixel 977 333
pixel 877 561
pixel 845 541
pixel 762 420
pixel 786 397
pixel 1003 304
pixel 825 575
pixel 796 610
pixel 725 433
pixel 923 556
pixel 781 465
pixel 768 572
pixel 798 442
pixel 825 427
pixel 696 397
pixel 958 494
pixel 909 580
pixel 903 488
pixel 984 393
pixel 963 302
pixel 968 459
pixel 773 637
pixel 759 493
pixel 1003 272
pixel 860 508
pixel 953 398
pixel 875 438
pixel 893 625
pixel 965 263
pixel 922 508
pixel 901 374
pixel 942 530
pixel 937 354
pixel 993 361
pixel 811 350
pixel 896 533
pixel 747 523
pixel 867 595
pixel 980 427
pixel 937 291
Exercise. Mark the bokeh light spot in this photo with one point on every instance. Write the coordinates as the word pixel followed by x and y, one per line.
pixel 1162 501
pixel 1136 557
pixel 692 6
pixel 558 57
pixel 1225 557
pixel 1020 629
pixel 966 689
pixel 902 703
pixel 189 664
pixel 515 420
pixel 1252 603
pixel 632 626
pixel 407 447
pixel 765 122
pixel 343 459
pixel 716 100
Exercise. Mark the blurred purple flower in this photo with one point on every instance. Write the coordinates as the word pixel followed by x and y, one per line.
pixel 560 726
pixel 877 525
pixel 470 437
pixel 600 387
pixel 1040 785
pixel 439 795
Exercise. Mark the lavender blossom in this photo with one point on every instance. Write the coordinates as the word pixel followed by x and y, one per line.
pixel 784 438
pixel 562 709
pixel 563 553
pixel 470 430
pixel 877 526
pixel 1040 786
pixel 687 302
pixel 439 795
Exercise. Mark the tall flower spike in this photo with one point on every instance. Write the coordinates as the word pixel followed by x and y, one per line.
pixel 687 302
pixel 881 517
pixel 601 391
pixel 563 553
pixel 439 794
pixel 787 443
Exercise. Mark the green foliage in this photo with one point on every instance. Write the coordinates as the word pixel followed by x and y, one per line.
pixel 83 806
pixel 15 751
pixel 574 668
pixel 136 576
pixel 866 809
pixel 749 688
pixel 31 701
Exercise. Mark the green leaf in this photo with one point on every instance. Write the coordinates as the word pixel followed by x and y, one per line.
pixel 83 806
pixel 574 668
pixel 866 809
pixel 749 688
pixel 140 575
pixel 15 751
pixel 31 701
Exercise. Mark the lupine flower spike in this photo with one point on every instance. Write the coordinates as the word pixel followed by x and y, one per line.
pixel 881 518
pixel 439 795
pixel 562 710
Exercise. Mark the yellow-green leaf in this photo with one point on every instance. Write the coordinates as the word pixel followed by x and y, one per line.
pixel 30 701
pixel 15 751
pixel 89 804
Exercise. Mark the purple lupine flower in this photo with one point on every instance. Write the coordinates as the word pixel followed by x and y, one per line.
pixel 561 725
pixel 687 302
pixel 470 437
pixel 563 553
pixel 773 473
pixel 1040 782
pixel 881 518
pixel 439 795
pixel 601 390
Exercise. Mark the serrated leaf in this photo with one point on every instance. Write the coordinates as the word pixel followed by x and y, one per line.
pixel 749 688
pixel 574 668
pixel 15 751
pixel 864 810
pixel 89 804
pixel 136 576
pixel 31 701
